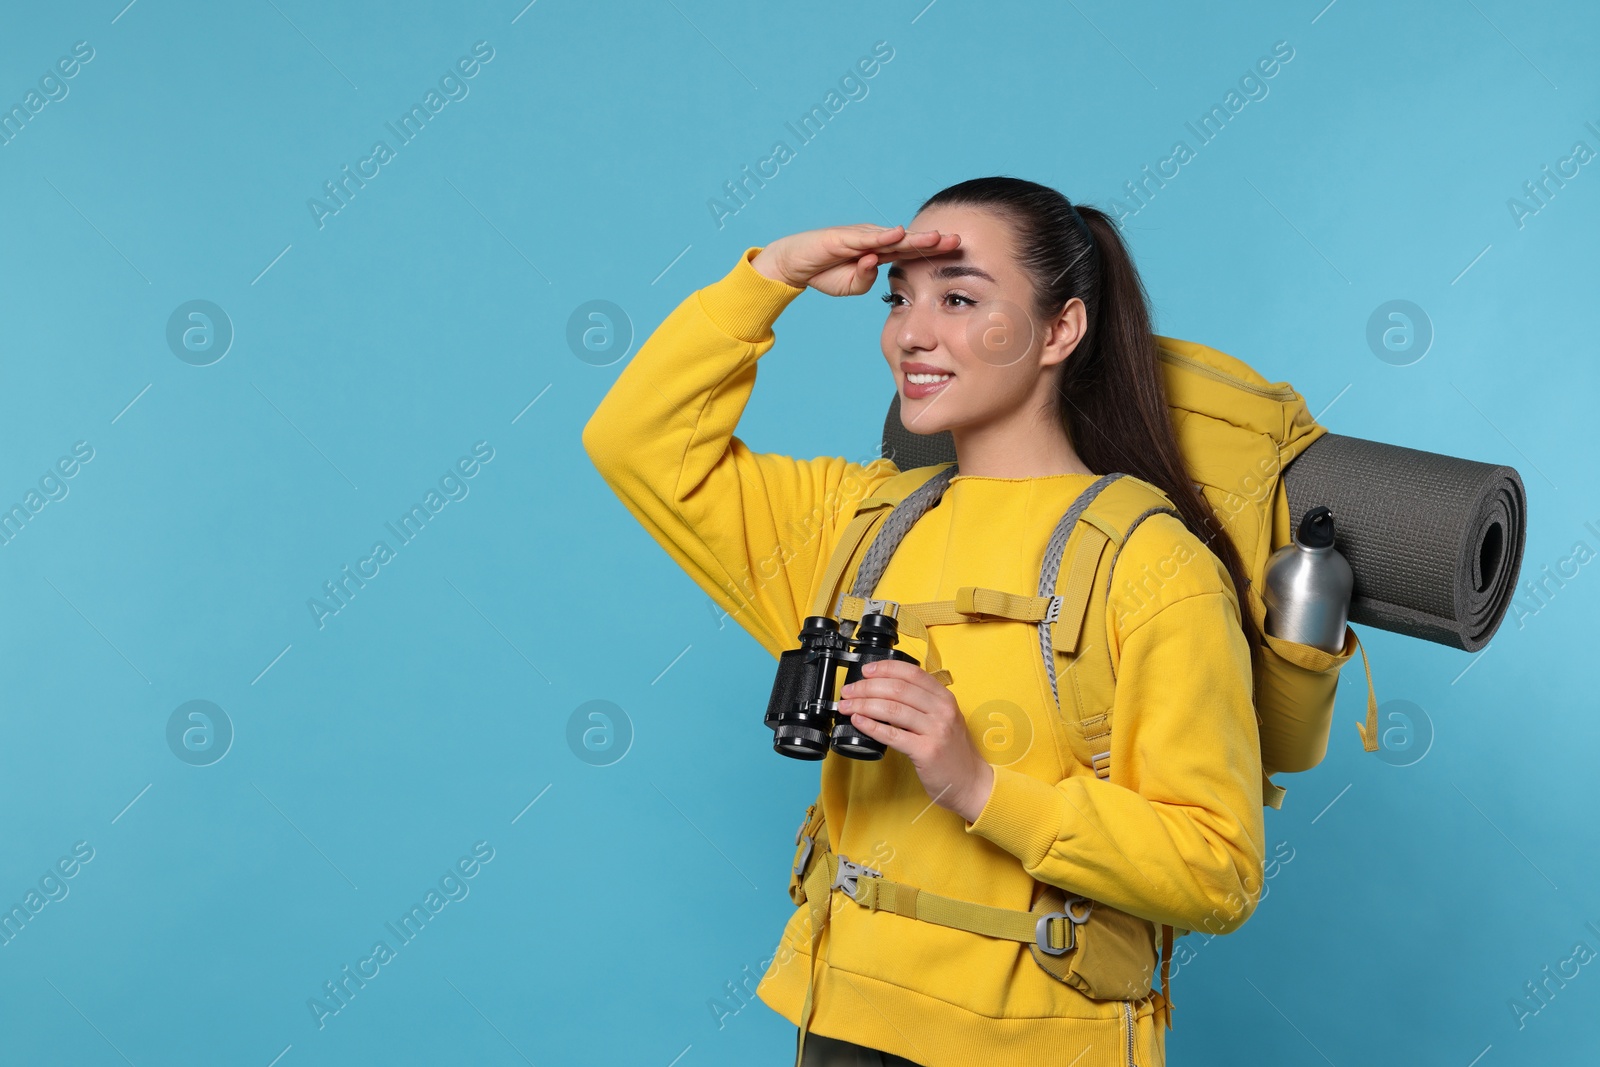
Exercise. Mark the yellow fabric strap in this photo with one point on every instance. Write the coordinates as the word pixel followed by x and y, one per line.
pixel 909 624
pixel 1166 974
pixel 983 603
pixel 819 899
pixel 908 619
pixel 849 541
pixel 1272 793
pixel 933 613
pixel 880 894
pixel 1369 732
pixel 972 604
pixel 1075 594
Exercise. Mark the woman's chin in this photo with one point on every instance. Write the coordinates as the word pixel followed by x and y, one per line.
pixel 923 427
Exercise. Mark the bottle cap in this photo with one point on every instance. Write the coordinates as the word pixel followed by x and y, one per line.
pixel 1316 529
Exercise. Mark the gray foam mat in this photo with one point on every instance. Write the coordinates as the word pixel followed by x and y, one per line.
pixel 1435 541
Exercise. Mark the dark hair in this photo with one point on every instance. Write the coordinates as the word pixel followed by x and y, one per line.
pixel 1110 396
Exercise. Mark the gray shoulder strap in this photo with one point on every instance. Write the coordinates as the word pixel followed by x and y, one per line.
pixel 1051 568
pixel 905 514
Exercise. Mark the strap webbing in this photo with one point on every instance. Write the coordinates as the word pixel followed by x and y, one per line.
pixel 893 531
pixel 1272 793
pixel 1051 567
pixel 851 609
pixel 983 603
pixel 1369 732
pixel 909 619
pixel 849 541
pixel 880 894
pixel 1166 974
pixel 1075 594
pixel 819 899
pixel 972 604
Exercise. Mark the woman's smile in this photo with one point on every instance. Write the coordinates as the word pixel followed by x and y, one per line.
pixel 922 380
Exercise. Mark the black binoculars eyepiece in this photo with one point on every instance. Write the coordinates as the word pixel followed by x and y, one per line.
pixel 803 712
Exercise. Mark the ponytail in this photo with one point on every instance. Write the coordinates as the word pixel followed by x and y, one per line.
pixel 1111 400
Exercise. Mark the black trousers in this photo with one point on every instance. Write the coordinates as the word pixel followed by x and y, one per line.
pixel 831 1052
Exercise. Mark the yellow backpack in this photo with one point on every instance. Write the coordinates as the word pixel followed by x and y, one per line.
pixel 1237 432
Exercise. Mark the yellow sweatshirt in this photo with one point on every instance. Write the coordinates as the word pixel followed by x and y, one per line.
pixel 1174 836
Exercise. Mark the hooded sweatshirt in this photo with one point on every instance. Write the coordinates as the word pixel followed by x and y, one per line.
pixel 1175 835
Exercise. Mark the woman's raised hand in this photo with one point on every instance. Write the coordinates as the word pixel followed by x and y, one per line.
pixel 843 260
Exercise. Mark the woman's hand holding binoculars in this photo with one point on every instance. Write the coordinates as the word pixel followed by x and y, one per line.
pixel 843 260
pixel 905 708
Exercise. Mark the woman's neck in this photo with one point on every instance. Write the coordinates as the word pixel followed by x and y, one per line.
pixel 1016 448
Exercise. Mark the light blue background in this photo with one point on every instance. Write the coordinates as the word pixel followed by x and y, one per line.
pixel 427 314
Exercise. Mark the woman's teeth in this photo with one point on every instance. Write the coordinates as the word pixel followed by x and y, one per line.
pixel 927 379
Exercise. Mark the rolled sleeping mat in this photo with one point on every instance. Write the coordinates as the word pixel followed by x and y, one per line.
pixel 1435 541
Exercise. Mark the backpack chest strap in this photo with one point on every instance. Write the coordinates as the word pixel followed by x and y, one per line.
pixel 972 603
pixel 851 608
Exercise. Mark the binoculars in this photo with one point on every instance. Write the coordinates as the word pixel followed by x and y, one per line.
pixel 803 712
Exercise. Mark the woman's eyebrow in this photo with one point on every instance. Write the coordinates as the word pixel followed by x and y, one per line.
pixel 949 270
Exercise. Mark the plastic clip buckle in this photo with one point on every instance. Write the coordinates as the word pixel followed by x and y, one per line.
pixel 869 606
pixel 1053 612
pixel 1041 929
pixel 805 854
pixel 1041 934
pixel 845 877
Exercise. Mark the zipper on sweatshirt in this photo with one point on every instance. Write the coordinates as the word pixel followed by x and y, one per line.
pixel 1127 1011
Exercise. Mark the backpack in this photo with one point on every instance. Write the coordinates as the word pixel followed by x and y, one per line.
pixel 1237 432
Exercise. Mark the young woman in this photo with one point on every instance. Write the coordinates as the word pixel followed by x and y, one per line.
pixel 1070 391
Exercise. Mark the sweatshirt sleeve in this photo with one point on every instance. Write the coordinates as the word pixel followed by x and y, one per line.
pixel 1178 836
pixel 750 528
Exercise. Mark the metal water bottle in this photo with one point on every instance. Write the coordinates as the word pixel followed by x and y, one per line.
pixel 1308 586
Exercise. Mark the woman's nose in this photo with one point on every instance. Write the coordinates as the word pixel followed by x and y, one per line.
pixel 916 329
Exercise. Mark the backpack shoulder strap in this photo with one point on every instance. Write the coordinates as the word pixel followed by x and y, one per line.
pixel 1108 523
pixel 1084 545
pixel 870 516
pixel 1096 526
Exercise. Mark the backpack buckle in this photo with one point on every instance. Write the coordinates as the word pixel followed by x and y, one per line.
pixel 1053 611
pixel 1041 929
pixel 805 854
pixel 1041 934
pixel 869 606
pixel 845 877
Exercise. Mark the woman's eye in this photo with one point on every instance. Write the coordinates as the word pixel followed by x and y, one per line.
pixel 895 299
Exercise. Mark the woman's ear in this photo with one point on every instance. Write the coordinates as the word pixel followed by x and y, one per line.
pixel 1063 333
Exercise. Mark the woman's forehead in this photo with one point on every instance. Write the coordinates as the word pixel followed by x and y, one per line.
pixel 985 237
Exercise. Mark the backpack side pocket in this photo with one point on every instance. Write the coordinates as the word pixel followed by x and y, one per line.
pixel 1295 689
pixel 1114 954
